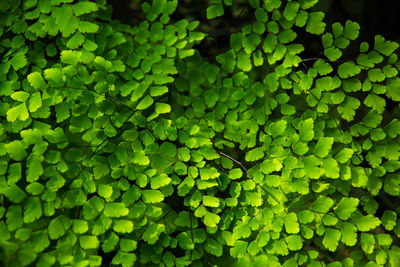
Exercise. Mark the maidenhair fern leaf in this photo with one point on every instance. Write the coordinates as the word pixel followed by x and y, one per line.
pixel 215 10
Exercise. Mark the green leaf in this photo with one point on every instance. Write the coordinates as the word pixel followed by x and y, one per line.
pixel 183 219
pixel 76 40
pixel 291 224
pixel 389 219
pixel 311 168
pixel 367 243
pixel 367 223
pixel 376 75
pixel 344 155
pixel 82 8
pixel 80 226
pixel 251 42
pixel 277 128
pixel 327 40
pixel 123 226
pixel 124 259
pixel 290 162
pixel 331 168
pixel 16 150
pixel 348 69
pixel 393 89
pixel 32 210
pixel 19 60
pixel 213 247
pixel 152 196
pixel 20 96
pixel 315 25
pixel 271 82
pixel 323 146
pixel 384 239
pixel 58 226
pixel 19 112
pixel 140 158
pixel 244 61
pixel 331 239
pixel 35 169
pixel 286 36
pixel 270 43
pixel 346 207
pixel 110 242
pixel 348 107
pixel 322 204
pixel 333 53
pixel 162 108
pixel 15 194
pixel 384 47
pixel 62 111
pixel 70 57
pixel 127 245
pixel 35 102
pixel 349 233
pixel 241 230
pixel 14 217
pixel 115 210
pixel 105 190
pixel 270 165
pixel 239 249
pixel 215 10
pixel 159 180
pixel 152 232
pixel 88 27
pixel 300 148
pixel 322 67
pixel 294 242
pixel 89 241
pixel 255 154
pixel 291 10
pixel 211 219
pixel 210 201
pixel 306 130
pixel 329 220
pixel 184 241
pixel 234 173
pixel 375 102
pixel 145 102
pixel 36 80
pixel 34 188
pixel 351 30
pixel 209 173
pixel 158 90
pixel 66 21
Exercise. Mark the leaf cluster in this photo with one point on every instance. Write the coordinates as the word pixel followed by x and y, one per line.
pixel 123 140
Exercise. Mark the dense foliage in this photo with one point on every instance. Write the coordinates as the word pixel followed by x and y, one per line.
pixel 122 145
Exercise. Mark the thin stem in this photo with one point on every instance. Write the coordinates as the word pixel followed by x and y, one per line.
pixel 251 176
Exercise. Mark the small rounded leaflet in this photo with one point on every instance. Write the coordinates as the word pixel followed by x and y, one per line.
pixel 291 9
pixel 89 241
pixel 115 209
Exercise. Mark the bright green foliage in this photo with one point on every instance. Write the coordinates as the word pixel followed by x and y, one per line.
pixel 346 207
pixel 323 146
pixel 331 239
pixel 322 204
pixel 58 226
pixel 215 10
pixel 88 242
pixel 366 223
pixel 126 140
